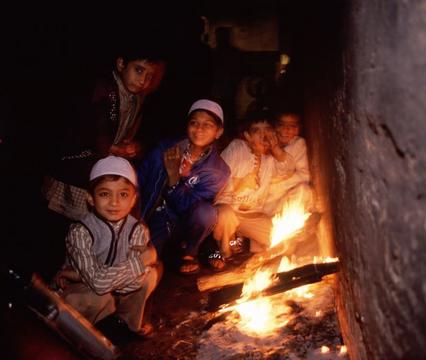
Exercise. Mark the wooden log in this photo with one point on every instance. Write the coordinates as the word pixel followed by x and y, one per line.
pixel 287 280
pixel 269 258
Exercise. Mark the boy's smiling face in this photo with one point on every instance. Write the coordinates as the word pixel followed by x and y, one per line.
pixel 202 129
pixel 113 200
pixel 287 128
pixel 139 76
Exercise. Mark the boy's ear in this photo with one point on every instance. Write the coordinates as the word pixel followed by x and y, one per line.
pixel 219 133
pixel 90 200
pixel 135 197
pixel 120 64
pixel 246 135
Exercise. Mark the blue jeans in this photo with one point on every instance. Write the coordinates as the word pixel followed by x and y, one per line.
pixel 192 227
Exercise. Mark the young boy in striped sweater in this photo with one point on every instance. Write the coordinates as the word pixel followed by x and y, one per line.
pixel 111 265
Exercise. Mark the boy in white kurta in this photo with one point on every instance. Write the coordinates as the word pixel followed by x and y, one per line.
pixel 254 161
pixel 297 187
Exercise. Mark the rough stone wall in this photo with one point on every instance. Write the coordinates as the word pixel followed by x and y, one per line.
pixel 365 103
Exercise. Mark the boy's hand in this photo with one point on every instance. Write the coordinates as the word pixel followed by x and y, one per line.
pixel 147 253
pixel 275 148
pixel 271 139
pixel 65 276
pixel 126 149
pixel 172 159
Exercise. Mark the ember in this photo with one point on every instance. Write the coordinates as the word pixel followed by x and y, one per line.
pixel 307 324
pixel 259 315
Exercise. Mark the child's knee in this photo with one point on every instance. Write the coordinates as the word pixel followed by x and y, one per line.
pixel 203 214
pixel 226 218
pixel 90 305
pixel 152 278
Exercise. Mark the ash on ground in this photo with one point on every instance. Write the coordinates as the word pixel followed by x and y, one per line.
pixel 185 330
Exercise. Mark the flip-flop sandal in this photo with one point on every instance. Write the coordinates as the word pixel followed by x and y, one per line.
pixel 237 245
pixel 216 258
pixel 146 331
pixel 193 264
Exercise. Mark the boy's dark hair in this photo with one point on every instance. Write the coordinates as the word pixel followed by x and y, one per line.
pixel 278 114
pixel 254 117
pixel 95 182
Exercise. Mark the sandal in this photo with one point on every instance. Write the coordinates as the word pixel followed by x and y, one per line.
pixel 216 261
pixel 146 331
pixel 237 245
pixel 189 265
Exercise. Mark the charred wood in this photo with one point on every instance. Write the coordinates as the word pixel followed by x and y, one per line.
pixel 303 275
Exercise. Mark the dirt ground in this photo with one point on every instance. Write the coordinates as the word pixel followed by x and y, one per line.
pixel 180 316
pixel 186 329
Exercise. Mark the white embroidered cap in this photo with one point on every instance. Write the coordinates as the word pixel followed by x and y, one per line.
pixel 205 104
pixel 114 165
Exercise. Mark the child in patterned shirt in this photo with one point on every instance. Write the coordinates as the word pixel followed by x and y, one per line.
pixel 111 265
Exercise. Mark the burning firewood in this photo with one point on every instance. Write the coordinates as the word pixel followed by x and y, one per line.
pixel 268 258
pixel 287 280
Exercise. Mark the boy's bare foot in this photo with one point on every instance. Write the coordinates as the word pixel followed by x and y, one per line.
pixel 146 331
pixel 190 265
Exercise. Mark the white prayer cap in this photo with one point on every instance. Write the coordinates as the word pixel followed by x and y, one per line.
pixel 114 165
pixel 209 105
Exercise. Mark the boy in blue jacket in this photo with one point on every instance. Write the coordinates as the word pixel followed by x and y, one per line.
pixel 179 180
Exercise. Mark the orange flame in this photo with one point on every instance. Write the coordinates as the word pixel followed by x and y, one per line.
pixel 260 315
pixel 290 221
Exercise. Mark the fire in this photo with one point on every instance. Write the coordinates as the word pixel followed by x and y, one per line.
pixel 327 259
pixel 260 315
pixel 287 223
pixel 301 292
pixel 261 280
pixel 286 264
pixel 257 315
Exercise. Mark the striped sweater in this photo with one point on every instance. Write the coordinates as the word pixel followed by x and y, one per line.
pixel 101 252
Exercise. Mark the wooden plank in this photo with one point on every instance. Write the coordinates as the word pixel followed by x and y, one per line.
pixel 287 280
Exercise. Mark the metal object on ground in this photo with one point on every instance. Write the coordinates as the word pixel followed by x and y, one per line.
pixel 62 318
